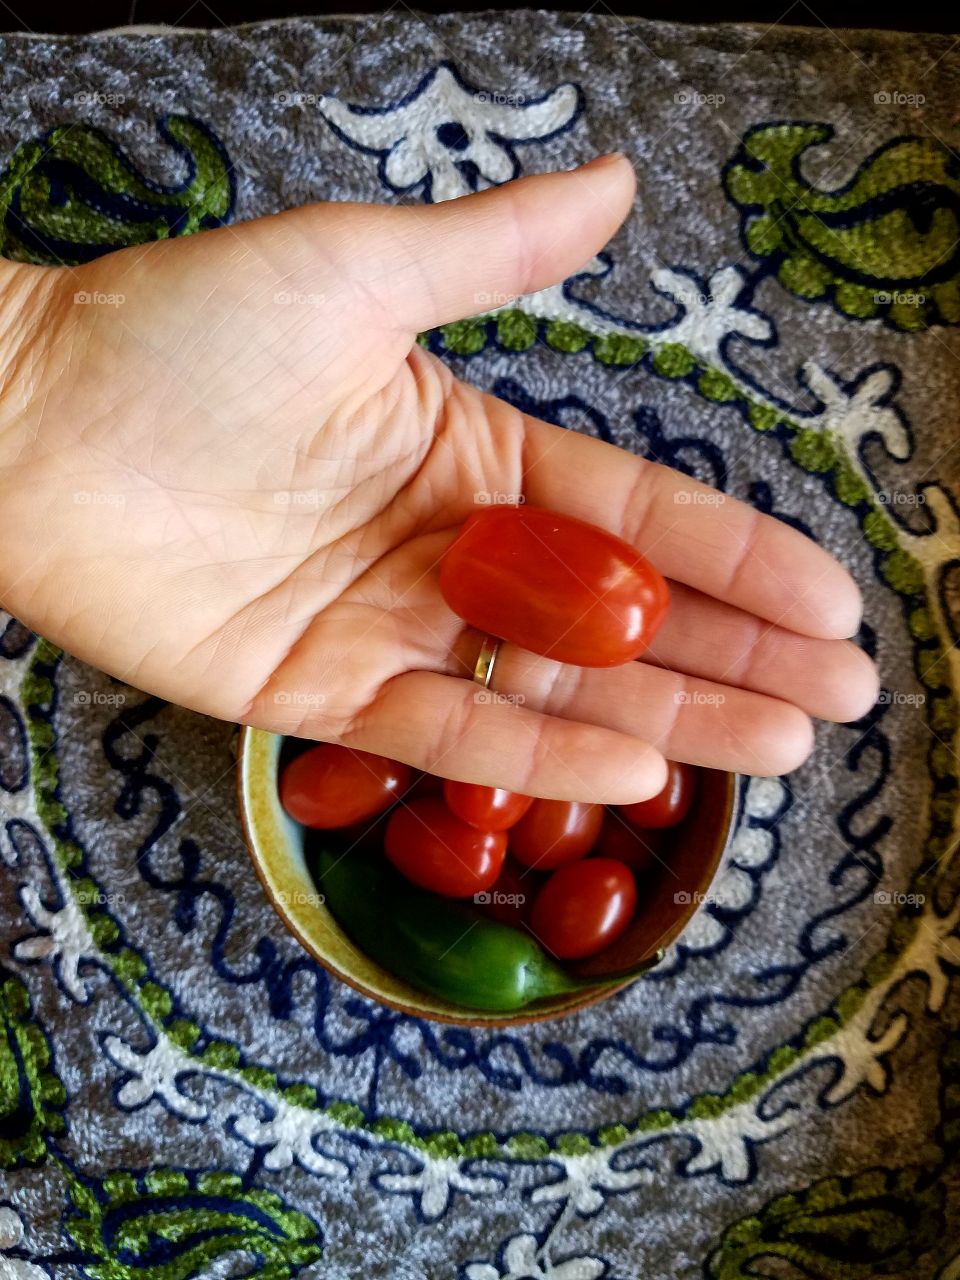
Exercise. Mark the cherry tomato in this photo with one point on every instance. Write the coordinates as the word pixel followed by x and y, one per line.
pixel 332 786
pixel 435 850
pixel 553 832
pixel 366 836
pixel 511 898
pixel 584 907
pixel 486 808
pixel 638 850
pixel 669 806
pixel 554 585
pixel 423 784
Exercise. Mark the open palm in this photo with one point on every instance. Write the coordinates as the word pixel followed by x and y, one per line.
pixel 227 473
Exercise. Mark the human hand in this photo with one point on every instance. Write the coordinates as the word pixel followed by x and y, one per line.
pixel 268 489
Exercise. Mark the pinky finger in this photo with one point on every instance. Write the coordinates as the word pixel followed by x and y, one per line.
pixel 454 728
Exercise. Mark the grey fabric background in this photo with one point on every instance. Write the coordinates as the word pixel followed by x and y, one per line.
pixel 792 901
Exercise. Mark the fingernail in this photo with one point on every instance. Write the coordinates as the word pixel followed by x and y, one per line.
pixel 599 161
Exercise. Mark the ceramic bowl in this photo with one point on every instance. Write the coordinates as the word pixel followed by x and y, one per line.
pixel 276 845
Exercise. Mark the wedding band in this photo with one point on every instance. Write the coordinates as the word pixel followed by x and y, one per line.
pixel 483 671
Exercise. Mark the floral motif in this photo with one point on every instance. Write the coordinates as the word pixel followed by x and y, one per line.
pixel 710 315
pixel 67 942
pixel 290 1137
pixel 154 1073
pixel 861 408
pixel 586 1180
pixel 448 137
pixel 434 1183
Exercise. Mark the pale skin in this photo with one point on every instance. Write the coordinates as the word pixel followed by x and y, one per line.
pixel 237 502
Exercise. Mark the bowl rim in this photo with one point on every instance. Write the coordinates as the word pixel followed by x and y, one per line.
pixel 521 1017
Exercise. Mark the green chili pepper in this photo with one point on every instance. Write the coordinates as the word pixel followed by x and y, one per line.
pixel 438 945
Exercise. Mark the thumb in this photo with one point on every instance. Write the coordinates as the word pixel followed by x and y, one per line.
pixel 442 262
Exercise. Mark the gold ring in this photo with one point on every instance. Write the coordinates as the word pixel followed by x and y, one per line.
pixel 483 671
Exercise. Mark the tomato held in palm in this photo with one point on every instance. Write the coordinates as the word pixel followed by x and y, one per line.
pixel 332 786
pixel 584 907
pixel 667 807
pixel 486 808
pixel 553 832
pixel 554 585
pixel 435 850
pixel 639 850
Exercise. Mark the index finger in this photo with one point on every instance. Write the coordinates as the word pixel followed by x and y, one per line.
pixel 692 533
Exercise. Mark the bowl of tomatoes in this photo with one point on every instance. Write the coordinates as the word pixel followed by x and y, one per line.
pixel 470 904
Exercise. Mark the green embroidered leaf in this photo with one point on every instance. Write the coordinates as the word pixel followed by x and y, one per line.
pixel 673 361
pixel 30 1092
pixel 619 348
pixel 886 243
pixel 170 1225
pixel 465 337
pixel 516 330
pixel 567 337
pixel 880 1221
pixel 72 195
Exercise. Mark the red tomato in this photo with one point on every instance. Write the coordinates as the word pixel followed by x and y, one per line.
pixel 435 850
pixel 553 585
pixel 669 806
pixel 366 836
pixel 511 898
pixel 332 786
pixel 584 907
pixel 553 832
pixel 424 784
pixel 638 850
pixel 487 808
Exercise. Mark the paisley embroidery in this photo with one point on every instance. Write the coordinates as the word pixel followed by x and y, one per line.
pixel 874 1224
pixel 72 195
pixel 31 1094
pixel 886 243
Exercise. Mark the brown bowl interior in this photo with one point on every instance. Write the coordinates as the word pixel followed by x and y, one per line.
pixel 667 899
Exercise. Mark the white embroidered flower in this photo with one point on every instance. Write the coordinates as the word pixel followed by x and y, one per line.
pixel 434 1183
pixel 67 941
pixel 709 316
pixel 586 1178
pixel 290 1134
pixel 853 414
pixel 523 1261
pixel 154 1074
pixel 445 130
pixel 11 1235
pixel 726 1142
pixel 860 1049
